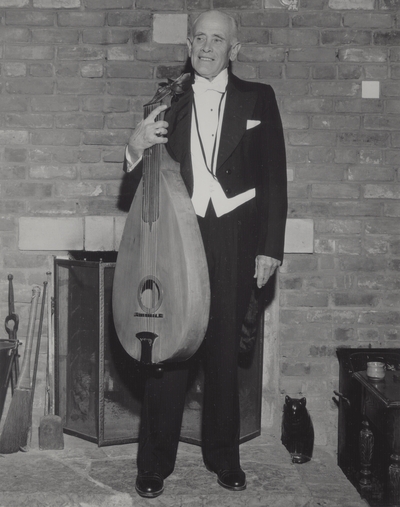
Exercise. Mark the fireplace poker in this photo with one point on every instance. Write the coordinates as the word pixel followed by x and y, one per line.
pixel 36 362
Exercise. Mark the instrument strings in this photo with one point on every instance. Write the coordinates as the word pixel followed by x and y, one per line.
pixel 150 213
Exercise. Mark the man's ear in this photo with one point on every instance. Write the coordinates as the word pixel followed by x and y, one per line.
pixel 235 51
pixel 189 45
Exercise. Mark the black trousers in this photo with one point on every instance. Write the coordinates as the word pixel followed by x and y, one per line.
pixel 230 244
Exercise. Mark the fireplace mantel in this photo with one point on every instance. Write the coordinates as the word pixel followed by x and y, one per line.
pixel 102 233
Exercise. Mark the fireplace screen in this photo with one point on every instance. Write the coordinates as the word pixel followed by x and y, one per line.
pixel 99 387
pixel 98 384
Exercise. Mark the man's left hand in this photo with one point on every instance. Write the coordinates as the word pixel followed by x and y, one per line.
pixel 265 268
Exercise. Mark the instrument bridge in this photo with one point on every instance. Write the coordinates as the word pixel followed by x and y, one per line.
pixel 153 315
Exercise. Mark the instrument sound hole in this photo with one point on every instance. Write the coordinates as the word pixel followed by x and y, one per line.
pixel 150 294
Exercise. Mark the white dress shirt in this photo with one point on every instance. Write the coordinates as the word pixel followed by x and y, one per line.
pixel 209 106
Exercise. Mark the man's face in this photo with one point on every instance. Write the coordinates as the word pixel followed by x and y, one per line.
pixel 213 45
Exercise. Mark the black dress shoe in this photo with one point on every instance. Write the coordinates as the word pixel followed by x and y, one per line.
pixel 234 480
pixel 149 484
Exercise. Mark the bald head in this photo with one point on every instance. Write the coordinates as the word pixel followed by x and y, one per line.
pixel 218 16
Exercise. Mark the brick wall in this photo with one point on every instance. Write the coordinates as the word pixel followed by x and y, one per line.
pixel 75 74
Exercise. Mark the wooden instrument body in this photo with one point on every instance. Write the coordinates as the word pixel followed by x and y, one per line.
pixel 167 296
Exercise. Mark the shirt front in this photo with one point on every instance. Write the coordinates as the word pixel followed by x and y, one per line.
pixel 208 111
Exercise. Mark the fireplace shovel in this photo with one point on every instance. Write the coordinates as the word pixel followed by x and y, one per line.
pixel 51 435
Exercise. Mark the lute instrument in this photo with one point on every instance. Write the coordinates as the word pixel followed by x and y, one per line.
pixel 161 292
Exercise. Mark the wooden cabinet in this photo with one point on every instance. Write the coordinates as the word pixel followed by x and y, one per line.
pixel 364 421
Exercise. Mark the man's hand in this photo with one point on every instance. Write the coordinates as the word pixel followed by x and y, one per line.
pixel 265 268
pixel 147 133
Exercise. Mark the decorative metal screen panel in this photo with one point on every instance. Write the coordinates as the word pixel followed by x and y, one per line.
pixel 99 387
pixel 250 393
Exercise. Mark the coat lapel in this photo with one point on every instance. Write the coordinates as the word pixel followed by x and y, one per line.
pixel 179 119
pixel 239 108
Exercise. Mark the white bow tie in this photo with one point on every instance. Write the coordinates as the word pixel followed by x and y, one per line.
pixel 202 86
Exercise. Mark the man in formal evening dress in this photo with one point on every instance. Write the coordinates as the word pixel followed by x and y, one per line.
pixel 227 135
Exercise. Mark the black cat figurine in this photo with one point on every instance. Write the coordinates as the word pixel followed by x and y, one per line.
pixel 297 430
